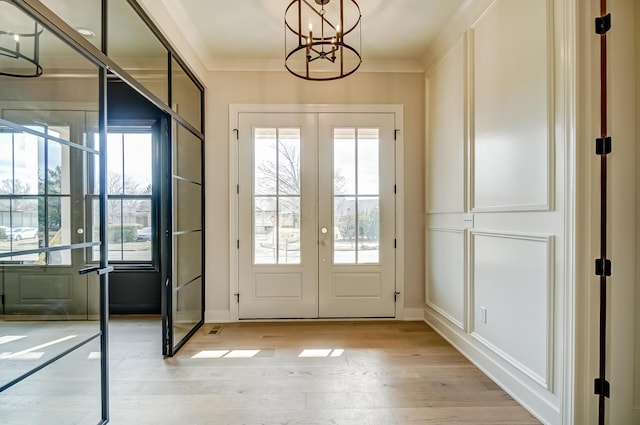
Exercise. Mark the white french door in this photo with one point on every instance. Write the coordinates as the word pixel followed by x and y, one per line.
pixel 316 215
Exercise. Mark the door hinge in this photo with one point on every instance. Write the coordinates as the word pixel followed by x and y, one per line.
pixel 238 244
pixel 237 295
pixel 603 24
pixel 603 267
pixel 602 387
pixel 395 134
pixel 238 189
pixel 395 188
pixel 395 296
pixel 395 243
pixel 603 146
pixel 235 130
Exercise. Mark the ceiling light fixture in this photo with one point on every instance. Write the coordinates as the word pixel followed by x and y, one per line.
pixel 19 46
pixel 86 32
pixel 319 39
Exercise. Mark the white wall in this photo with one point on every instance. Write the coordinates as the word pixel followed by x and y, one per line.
pixel 225 88
pixel 496 229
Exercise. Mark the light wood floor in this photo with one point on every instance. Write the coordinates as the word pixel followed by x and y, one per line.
pixel 355 373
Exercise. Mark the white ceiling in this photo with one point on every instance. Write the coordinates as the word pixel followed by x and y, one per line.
pixel 225 32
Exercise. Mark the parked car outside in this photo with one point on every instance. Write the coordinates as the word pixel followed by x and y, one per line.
pixel 143 234
pixel 18 233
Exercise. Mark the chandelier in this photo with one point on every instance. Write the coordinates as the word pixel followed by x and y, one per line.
pixel 19 43
pixel 320 37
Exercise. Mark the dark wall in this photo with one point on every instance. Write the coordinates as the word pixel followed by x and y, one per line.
pixel 135 290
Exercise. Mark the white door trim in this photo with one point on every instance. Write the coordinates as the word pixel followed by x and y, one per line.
pixel 236 109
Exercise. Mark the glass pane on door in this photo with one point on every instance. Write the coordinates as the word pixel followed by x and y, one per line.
pixel 185 304
pixel 50 327
pixel 356 195
pixel 276 196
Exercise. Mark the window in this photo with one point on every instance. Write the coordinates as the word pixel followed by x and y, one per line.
pixel 129 189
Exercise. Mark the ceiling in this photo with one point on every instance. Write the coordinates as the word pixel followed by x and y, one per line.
pixel 235 33
pixel 241 34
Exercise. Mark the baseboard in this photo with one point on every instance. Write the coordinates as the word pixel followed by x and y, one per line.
pixel 217 316
pixel 224 316
pixel 411 314
pixel 528 393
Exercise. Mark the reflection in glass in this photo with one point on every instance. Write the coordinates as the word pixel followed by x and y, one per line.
pixel 73 381
pixel 187 206
pixel 82 15
pixel 188 155
pixel 185 96
pixel 133 46
pixel 6 160
pixel 187 311
pixel 188 253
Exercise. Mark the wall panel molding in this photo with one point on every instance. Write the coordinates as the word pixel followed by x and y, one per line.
pixel 445 291
pixel 511 108
pixel 512 275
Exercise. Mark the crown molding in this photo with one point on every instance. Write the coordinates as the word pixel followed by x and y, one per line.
pixel 276 65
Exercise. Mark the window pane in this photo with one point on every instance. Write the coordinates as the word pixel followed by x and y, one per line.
pixel 115 183
pixel 73 381
pixel 136 158
pixel 264 230
pixel 344 161
pixel 80 14
pixel 187 211
pixel 137 230
pixel 185 95
pixel 188 254
pixel 133 46
pixel 114 211
pixel 368 230
pixel 265 157
pixel 345 240
pixel 368 162
pixel 187 308
pixel 289 230
pixel 289 161
pixel 188 155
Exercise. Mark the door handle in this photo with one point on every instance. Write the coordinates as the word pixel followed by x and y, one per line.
pixel 97 269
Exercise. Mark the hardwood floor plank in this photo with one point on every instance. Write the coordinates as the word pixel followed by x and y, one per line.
pixel 304 373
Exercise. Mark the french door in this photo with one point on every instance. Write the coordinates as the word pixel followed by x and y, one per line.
pixel 316 215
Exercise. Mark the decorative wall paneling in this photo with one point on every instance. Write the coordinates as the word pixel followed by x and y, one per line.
pixel 496 228
pixel 446 293
pixel 511 79
pixel 512 282
pixel 446 94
